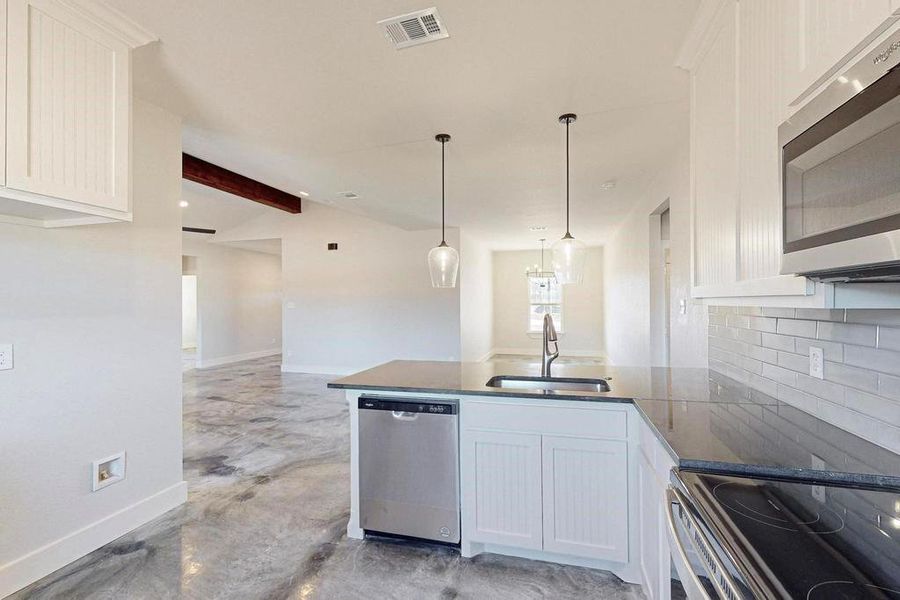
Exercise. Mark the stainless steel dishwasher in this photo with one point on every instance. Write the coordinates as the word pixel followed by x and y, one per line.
pixel 409 467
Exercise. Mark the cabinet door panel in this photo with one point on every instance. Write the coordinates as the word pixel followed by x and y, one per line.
pixel 502 488
pixel 586 497
pixel 822 35
pixel 759 61
pixel 68 107
pixel 3 92
pixel 714 159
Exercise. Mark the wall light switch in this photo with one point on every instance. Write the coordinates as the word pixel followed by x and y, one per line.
pixel 6 357
pixel 816 362
pixel 682 306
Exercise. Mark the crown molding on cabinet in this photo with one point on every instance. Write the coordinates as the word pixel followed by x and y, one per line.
pixel 110 20
pixel 701 33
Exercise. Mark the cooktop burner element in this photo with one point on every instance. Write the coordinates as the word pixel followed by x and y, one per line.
pixel 800 540
pixel 754 503
pixel 849 590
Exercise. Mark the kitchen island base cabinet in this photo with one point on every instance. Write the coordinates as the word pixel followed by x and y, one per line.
pixel 535 486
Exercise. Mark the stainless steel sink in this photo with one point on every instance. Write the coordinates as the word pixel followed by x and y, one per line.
pixel 571 384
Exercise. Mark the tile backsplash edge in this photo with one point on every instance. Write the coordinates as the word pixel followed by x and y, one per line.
pixel 768 350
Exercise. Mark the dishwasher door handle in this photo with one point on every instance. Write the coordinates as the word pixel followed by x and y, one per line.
pixel 402 415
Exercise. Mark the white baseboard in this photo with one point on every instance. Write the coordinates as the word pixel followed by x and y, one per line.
pixel 227 360
pixel 537 352
pixel 38 563
pixel 320 369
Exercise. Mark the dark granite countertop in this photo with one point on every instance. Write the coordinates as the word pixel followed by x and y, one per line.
pixel 706 421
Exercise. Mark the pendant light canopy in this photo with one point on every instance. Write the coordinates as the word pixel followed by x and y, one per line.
pixel 568 253
pixel 443 261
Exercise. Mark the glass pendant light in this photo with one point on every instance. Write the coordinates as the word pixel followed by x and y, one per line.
pixel 443 261
pixel 568 253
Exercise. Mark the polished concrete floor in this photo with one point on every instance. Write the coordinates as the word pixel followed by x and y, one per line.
pixel 267 462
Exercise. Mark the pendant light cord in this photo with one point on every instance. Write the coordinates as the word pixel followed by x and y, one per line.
pixel 567 177
pixel 443 235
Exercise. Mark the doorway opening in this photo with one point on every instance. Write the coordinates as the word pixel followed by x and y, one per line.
pixel 660 286
pixel 190 320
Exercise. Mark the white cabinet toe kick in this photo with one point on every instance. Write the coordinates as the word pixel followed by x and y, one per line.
pixel 550 480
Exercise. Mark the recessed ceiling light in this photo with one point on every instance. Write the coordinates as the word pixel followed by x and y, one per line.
pixel 304 194
pixel 608 185
pixel 349 195
pixel 538 228
pixel 184 204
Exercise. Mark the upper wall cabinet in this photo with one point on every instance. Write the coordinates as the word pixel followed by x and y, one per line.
pixel 68 113
pixel 821 36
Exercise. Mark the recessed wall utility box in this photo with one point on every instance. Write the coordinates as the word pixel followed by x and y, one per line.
pixel 6 357
pixel 332 245
pixel 108 471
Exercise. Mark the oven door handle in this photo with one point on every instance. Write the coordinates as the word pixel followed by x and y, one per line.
pixel 672 498
pixel 721 578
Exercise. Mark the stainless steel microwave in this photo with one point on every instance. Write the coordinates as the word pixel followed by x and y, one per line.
pixel 840 168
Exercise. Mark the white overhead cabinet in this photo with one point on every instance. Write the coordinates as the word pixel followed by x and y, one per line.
pixel 67 98
pixel 822 35
pixel 748 59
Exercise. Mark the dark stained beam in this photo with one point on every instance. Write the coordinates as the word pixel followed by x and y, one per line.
pixel 198 230
pixel 198 170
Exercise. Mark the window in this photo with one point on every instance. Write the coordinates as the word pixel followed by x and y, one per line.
pixel 544 296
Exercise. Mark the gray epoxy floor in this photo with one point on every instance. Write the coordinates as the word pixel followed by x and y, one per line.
pixel 267 462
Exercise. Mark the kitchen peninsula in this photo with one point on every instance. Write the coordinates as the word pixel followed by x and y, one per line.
pixel 580 477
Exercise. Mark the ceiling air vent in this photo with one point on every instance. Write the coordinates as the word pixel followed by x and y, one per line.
pixel 414 28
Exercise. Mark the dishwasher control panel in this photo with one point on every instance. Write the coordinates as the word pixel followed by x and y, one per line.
pixel 410 406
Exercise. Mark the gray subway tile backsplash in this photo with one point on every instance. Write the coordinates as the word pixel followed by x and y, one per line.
pixel 796 327
pixel 768 349
pixel 861 335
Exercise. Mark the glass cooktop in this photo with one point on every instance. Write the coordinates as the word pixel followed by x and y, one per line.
pixel 800 540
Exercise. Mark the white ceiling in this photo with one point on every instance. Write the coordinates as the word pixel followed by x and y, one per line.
pixel 308 95
pixel 211 209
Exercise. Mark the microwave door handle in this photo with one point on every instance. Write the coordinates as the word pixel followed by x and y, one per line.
pixel 671 499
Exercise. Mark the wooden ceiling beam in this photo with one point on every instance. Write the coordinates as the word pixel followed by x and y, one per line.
pixel 205 173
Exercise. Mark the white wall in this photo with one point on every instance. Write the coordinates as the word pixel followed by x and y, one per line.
pixel 476 299
pixel 583 308
pixel 367 303
pixel 238 301
pixel 189 311
pixel 94 313
pixel 627 273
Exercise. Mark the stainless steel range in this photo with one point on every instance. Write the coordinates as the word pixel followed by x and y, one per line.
pixel 739 538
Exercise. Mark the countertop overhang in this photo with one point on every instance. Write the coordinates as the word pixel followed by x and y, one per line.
pixel 706 421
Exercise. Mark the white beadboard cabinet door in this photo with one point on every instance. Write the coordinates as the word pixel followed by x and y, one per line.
pixel 68 106
pixel 821 36
pixel 714 154
pixel 3 93
pixel 585 489
pixel 759 214
pixel 501 483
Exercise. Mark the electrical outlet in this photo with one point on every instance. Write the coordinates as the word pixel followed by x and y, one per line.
pixel 6 357
pixel 816 362
pixel 818 492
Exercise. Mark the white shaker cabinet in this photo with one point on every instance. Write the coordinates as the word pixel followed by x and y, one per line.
pixel 68 112
pixel 733 56
pixel 821 36
pixel 503 485
pixel 585 485
pixel 549 481
pixel 653 466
